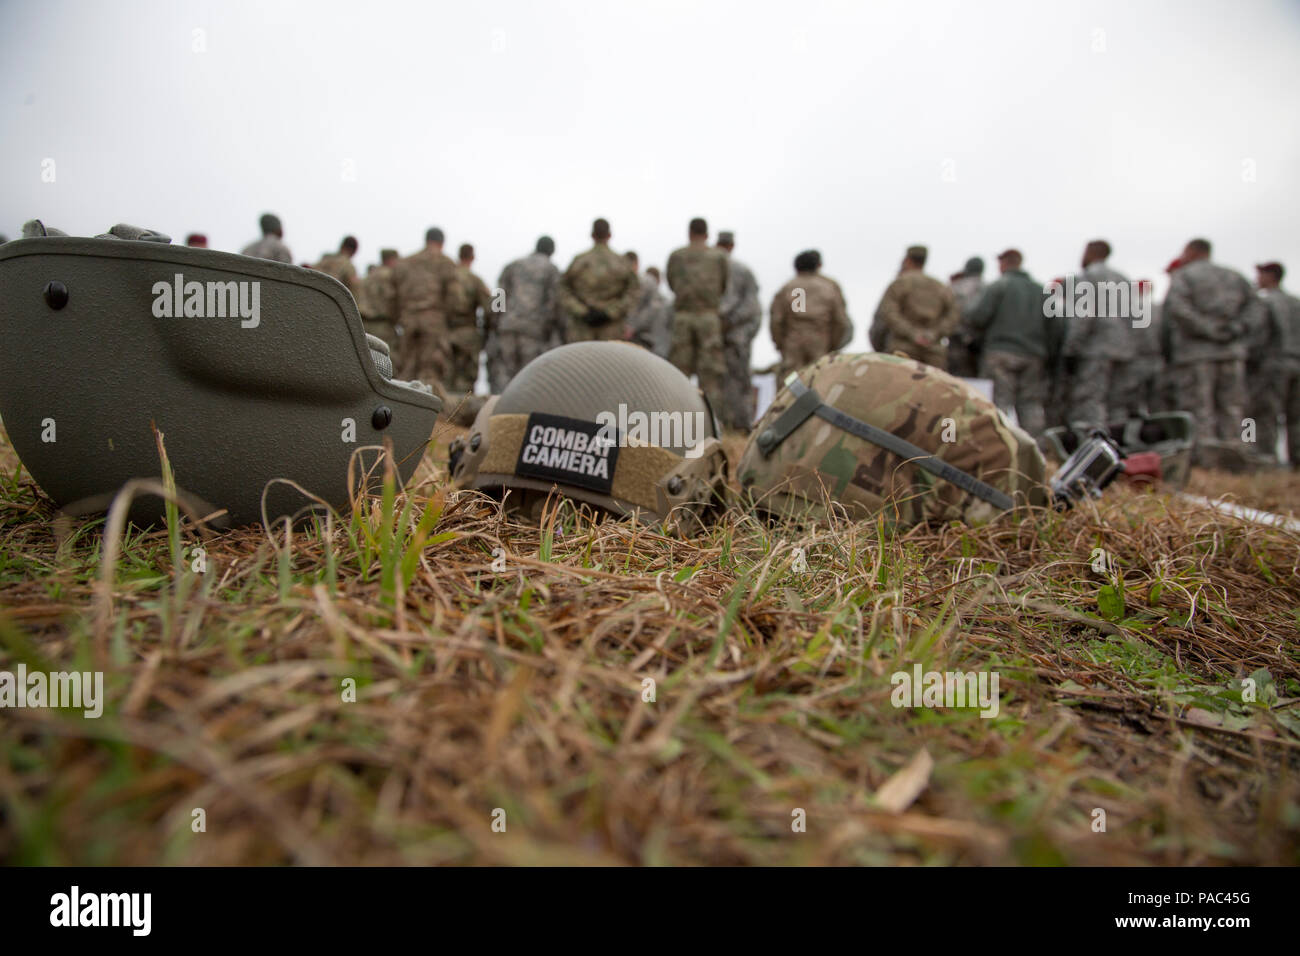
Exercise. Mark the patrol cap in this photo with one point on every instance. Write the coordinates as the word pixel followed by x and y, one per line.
pixel 726 238
pixel 606 423
pixel 917 253
pixel 434 234
pixel 270 223
pixel 386 254
pixel 974 266
pixel 1273 267
pixel 257 373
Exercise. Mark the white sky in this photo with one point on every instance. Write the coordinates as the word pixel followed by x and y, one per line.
pixel 801 124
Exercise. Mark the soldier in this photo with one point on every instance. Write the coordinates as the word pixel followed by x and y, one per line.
pixel 464 335
pixel 1099 342
pixel 917 312
pixel 195 240
pixel 698 277
pixel 809 317
pixel 599 291
pixel 1215 313
pixel 377 299
pixel 271 245
pixel 967 285
pixel 339 264
pixel 1279 376
pixel 1016 341
pixel 1142 387
pixel 650 324
pixel 530 324
pixel 428 290
pixel 742 316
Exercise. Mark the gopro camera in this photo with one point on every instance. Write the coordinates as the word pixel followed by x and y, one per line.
pixel 1093 466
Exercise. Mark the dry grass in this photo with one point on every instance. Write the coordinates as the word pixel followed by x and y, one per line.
pixel 524 690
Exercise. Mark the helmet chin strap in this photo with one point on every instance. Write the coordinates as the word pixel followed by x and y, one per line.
pixel 808 403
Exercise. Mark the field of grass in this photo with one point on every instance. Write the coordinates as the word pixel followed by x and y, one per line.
pixel 428 681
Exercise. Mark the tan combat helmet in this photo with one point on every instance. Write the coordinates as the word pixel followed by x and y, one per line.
pixel 258 374
pixel 882 434
pixel 606 423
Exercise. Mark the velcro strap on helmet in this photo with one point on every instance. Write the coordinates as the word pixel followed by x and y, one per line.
pixel 808 403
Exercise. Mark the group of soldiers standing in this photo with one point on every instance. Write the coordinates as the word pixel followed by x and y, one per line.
pixel 1086 350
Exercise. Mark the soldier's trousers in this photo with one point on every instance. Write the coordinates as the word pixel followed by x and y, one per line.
pixel 801 347
pixel 465 345
pixel 580 331
pixel 1105 391
pixel 423 352
pixel 737 409
pixel 1278 391
pixel 517 349
pixel 1019 383
pixel 697 349
pixel 1214 391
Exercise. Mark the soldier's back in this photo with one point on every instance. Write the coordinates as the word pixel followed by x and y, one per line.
pixel 698 277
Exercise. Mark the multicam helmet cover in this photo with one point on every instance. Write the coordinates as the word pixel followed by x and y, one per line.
pixel 818 466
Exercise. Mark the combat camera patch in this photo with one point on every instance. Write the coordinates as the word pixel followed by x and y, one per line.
pixel 568 451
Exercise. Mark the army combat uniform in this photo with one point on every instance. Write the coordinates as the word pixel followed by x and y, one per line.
pixel 1215 312
pixel 915 306
pixel 339 266
pixel 377 302
pixel 597 293
pixel 741 315
pixel 269 247
pixel 463 335
pixel 529 323
pixel 1279 381
pixel 428 290
pixel 650 323
pixel 1101 348
pixel 698 274
pixel 808 320
pixel 963 357
pixel 1016 340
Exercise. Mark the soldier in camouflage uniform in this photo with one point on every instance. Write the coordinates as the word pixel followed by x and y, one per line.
pixel 1279 374
pixel 428 290
pixel 808 315
pixel 1016 341
pixel 1215 312
pixel 530 322
pixel 918 312
pixel 650 324
pixel 598 291
pixel 271 245
pixel 742 316
pixel 339 265
pixel 463 324
pixel 698 277
pixel 799 463
pixel 967 286
pixel 378 299
pixel 1141 390
pixel 1099 341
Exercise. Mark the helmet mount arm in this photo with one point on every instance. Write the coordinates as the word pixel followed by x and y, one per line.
pixel 808 403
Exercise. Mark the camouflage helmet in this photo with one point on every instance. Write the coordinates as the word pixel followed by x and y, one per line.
pixel 606 423
pixel 252 370
pixel 883 434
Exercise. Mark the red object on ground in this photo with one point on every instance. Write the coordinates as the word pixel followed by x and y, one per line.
pixel 1143 468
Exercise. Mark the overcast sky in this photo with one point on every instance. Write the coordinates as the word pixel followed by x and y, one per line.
pixel 853 128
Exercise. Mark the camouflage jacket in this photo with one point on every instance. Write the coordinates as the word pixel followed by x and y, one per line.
pixel 377 298
pixel 427 282
pixel 1010 317
pixel 474 295
pixel 698 277
pixel 1214 312
pixel 916 305
pixel 651 321
pixel 813 302
pixel 530 294
pixel 340 267
pixel 269 247
pixel 599 279
pixel 740 309
pixel 1283 327
pixel 1100 326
